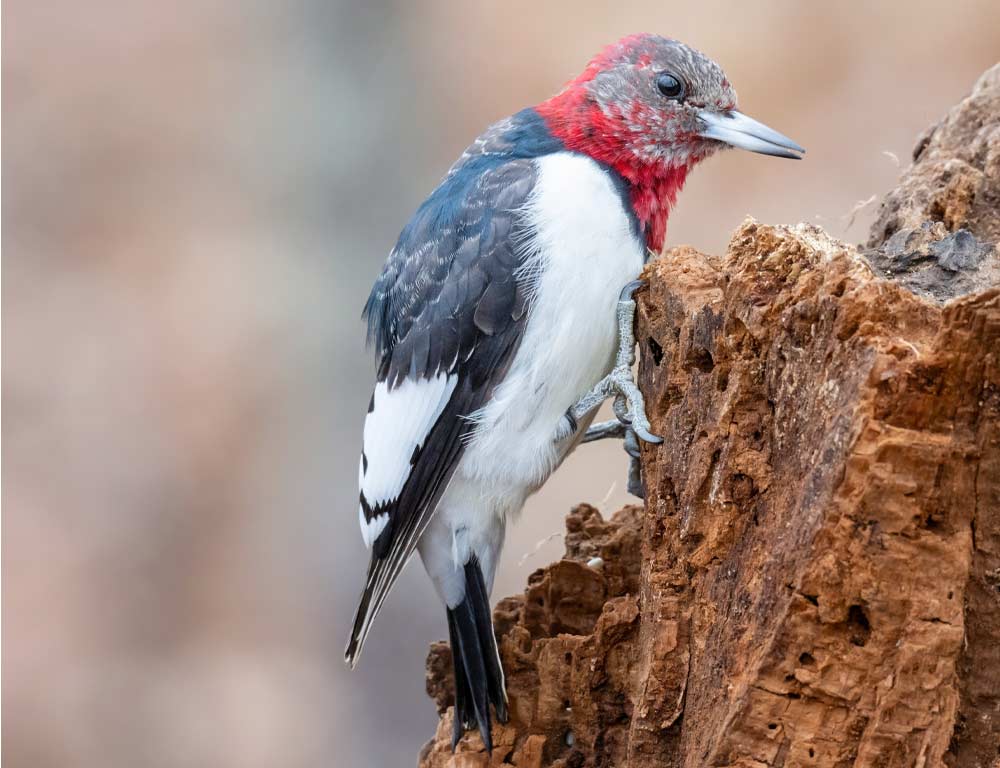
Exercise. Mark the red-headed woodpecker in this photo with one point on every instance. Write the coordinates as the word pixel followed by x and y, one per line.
pixel 503 317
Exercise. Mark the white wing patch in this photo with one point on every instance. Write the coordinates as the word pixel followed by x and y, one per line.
pixel 396 426
pixel 370 530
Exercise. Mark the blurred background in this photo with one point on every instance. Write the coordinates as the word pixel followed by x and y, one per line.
pixel 197 197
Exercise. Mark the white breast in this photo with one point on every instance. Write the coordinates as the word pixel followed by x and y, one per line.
pixel 582 254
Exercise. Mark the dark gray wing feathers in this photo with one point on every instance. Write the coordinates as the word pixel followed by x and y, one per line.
pixel 448 301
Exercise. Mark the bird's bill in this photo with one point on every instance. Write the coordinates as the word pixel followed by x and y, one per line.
pixel 738 130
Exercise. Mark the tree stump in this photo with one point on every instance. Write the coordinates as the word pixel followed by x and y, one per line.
pixel 814 579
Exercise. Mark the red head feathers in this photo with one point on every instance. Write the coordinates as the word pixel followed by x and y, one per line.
pixel 636 108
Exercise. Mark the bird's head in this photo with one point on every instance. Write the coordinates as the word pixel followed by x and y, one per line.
pixel 652 108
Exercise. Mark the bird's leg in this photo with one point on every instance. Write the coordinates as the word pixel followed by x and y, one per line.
pixel 630 409
pixel 628 405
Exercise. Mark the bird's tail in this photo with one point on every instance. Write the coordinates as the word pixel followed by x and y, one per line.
pixel 479 679
pixel 368 607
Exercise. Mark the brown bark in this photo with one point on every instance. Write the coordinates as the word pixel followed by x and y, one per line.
pixel 814 579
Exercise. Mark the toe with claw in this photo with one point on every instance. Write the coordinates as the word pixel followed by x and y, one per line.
pixel 618 429
pixel 629 406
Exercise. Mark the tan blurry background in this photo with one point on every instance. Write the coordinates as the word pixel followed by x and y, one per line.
pixel 196 199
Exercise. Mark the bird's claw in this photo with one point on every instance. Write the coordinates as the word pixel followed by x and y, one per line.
pixel 629 290
pixel 631 422
pixel 631 446
pixel 629 406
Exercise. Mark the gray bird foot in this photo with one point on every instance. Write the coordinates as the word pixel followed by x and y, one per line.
pixel 634 485
pixel 629 406
pixel 631 423
pixel 616 429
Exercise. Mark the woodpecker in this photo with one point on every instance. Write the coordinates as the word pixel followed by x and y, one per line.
pixel 503 318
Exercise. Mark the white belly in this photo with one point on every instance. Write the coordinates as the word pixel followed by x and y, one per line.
pixel 584 252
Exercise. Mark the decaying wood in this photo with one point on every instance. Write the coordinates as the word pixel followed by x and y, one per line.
pixel 815 577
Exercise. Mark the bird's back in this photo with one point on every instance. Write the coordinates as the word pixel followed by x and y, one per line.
pixel 445 316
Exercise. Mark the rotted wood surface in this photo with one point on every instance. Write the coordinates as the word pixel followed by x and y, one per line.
pixel 815 577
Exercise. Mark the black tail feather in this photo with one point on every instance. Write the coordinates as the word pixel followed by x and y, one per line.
pixel 471 658
pixel 487 639
pixel 479 679
pixel 464 717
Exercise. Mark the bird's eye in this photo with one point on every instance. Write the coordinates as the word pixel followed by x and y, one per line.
pixel 670 86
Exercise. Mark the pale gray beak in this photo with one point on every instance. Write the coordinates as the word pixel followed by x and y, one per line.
pixel 738 130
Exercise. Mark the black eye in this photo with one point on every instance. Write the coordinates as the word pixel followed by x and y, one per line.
pixel 670 86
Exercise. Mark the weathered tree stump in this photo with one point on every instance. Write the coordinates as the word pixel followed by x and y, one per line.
pixel 815 577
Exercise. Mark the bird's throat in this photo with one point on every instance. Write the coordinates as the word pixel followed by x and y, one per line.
pixel 653 194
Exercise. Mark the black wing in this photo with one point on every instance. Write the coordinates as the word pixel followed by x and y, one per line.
pixel 446 316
